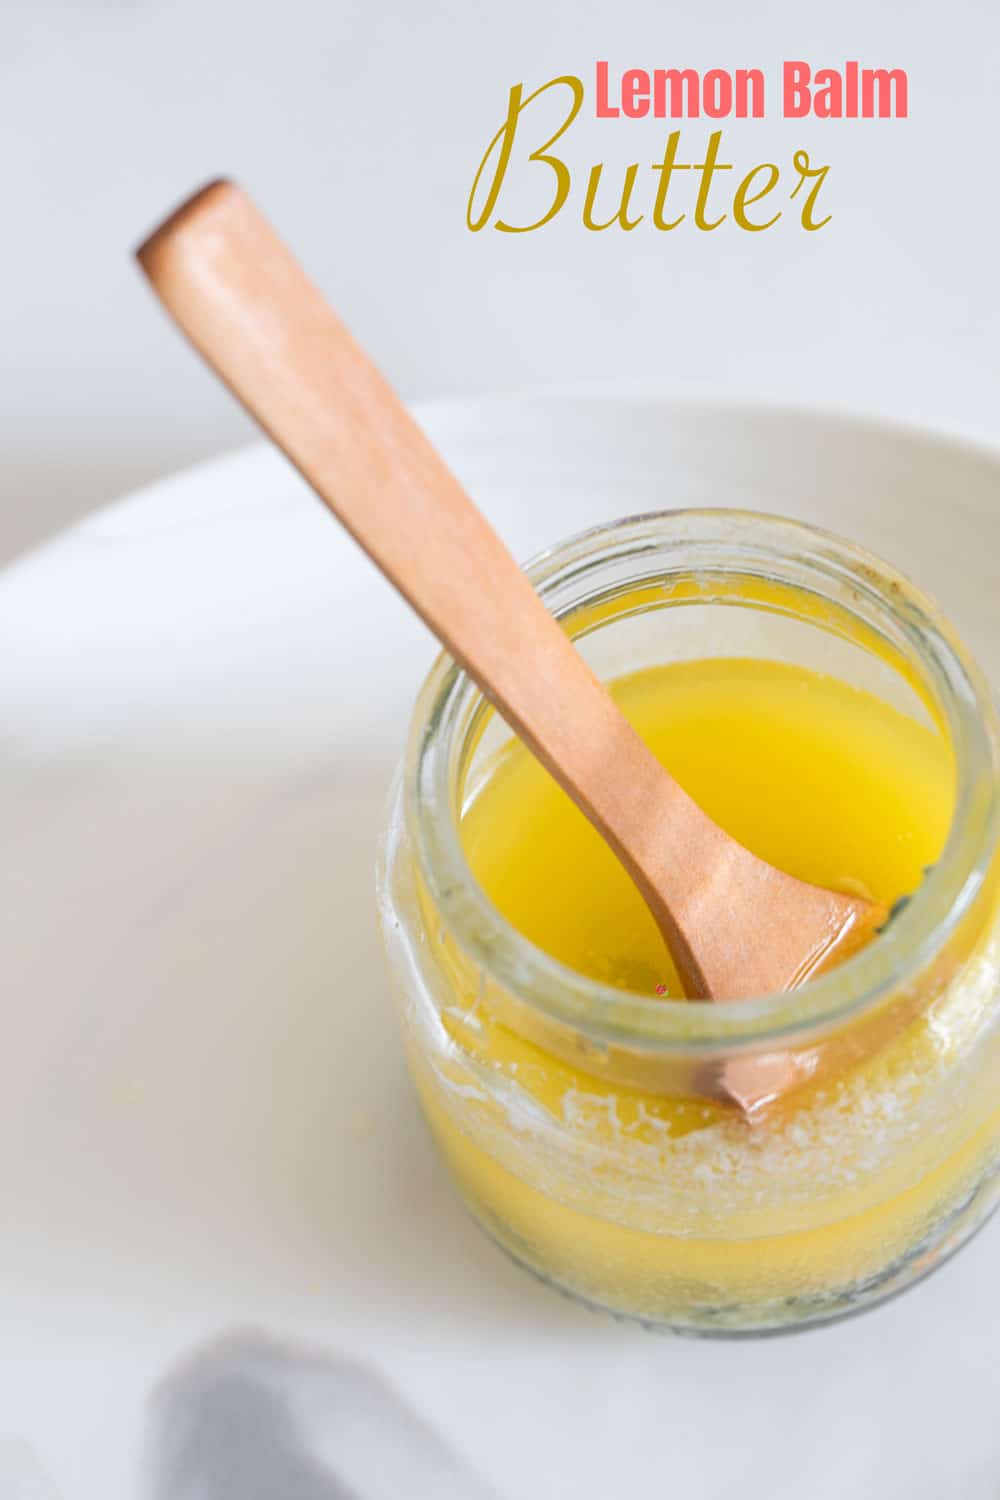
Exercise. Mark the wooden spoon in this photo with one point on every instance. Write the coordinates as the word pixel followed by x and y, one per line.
pixel 735 925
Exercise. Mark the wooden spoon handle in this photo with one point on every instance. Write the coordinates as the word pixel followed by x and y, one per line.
pixel 250 310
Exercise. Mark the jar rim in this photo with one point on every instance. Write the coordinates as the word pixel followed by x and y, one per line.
pixel 611 1016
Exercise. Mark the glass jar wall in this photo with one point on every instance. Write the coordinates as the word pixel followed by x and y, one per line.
pixel 584 1124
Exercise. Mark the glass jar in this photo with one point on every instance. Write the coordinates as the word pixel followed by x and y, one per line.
pixel 884 1157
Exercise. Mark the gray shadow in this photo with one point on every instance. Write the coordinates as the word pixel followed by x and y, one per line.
pixel 237 1439
pixel 252 1418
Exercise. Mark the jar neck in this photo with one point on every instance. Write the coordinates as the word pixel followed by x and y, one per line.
pixel 669 560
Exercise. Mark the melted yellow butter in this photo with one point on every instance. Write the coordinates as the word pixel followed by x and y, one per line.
pixel 821 779
pixel 672 1204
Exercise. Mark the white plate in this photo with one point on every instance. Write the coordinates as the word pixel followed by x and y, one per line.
pixel 204 1115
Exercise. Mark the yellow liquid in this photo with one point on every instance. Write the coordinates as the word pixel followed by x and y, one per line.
pixel 819 778
pixel 662 1207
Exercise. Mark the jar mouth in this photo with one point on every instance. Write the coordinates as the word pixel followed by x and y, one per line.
pixel 741 546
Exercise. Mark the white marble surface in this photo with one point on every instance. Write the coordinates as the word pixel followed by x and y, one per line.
pixel 231 1267
pixel 359 123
